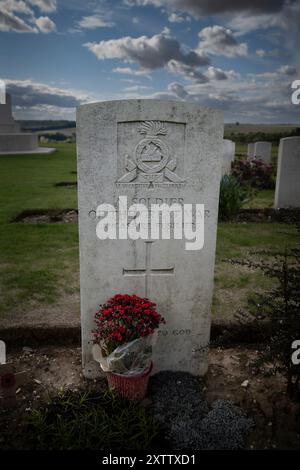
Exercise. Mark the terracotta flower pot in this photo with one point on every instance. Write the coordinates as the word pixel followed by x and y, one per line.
pixel 131 387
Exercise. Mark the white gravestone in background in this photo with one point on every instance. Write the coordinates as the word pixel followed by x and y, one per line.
pixel 287 193
pixel 262 151
pixel 250 151
pixel 12 140
pixel 228 156
pixel 2 352
pixel 151 152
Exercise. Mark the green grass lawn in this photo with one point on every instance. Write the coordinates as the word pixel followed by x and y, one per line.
pixel 38 262
pixel 267 128
pixel 39 267
pixel 262 199
pixel 234 284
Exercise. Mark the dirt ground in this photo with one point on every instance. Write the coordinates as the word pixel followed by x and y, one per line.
pixel 230 376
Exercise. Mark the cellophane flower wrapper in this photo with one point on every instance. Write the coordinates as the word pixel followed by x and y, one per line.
pixel 129 358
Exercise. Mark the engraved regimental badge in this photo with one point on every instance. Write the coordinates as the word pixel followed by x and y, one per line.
pixel 152 160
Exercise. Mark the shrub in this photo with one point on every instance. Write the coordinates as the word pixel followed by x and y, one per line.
pixel 254 173
pixel 281 307
pixel 57 136
pixel 232 197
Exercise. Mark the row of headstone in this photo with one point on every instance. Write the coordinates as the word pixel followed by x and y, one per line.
pixel 228 151
pixel 260 151
pixel 287 192
pixel 152 152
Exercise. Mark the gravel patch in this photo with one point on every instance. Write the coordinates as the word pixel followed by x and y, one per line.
pixel 188 422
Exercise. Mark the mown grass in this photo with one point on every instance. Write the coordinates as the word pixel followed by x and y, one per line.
pixel 262 199
pixel 39 265
pixel 37 261
pixel 236 285
pixel 27 181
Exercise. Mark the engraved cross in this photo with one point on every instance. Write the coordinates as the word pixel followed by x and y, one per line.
pixel 148 271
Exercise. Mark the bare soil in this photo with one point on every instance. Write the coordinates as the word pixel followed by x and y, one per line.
pixel 277 419
pixel 50 216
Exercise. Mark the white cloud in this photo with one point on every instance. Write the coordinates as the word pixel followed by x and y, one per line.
pixel 287 70
pixel 130 71
pixel 279 74
pixel 246 100
pixel 148 52
pixel 16 6
pixel 178 90
pixel 27 93
pixel 200 77
pixel 244 24
pixel 175 18
pixel 94 22
pixel 162 51
pixel 11 22
pixel 221 41
pixel 136 88
pixel 268 53
pixel 215 73
pixel 18 16
pixel 287 18
pixel 46 6
pixel 187 71
pixel 45 25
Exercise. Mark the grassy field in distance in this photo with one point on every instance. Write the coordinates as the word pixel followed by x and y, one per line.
pixel 268 128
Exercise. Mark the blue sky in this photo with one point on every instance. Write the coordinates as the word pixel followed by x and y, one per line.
pixel 238 55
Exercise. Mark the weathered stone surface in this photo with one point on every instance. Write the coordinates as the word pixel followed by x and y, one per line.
pixel 228 156
pixel 7 123
pixel 287 193
pixel 262 151
pixel 184 166
pixel 12 141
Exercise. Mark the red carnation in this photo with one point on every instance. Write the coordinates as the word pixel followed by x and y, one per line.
pixel 124 318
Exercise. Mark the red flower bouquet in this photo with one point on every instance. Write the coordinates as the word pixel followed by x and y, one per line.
pixel 124 330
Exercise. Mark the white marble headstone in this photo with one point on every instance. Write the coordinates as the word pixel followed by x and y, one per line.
pixel 287 193
pixel 2 352
pixel 184 166
pixel 228 156
pixel 262 151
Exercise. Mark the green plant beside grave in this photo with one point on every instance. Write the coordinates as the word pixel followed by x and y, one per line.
pixel 232 197
pixel 88 421
pixel 280 305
